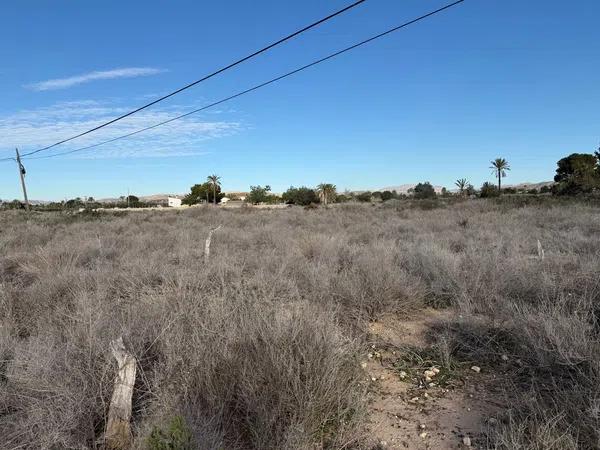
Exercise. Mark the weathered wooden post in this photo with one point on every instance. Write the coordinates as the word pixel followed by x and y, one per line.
pixel 118 434
pixel 207 244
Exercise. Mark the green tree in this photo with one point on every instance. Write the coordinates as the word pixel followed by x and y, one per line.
pixel 577 173
pixel 499 167
pixel 462 185
pixel 387 195
pixel 300 196
pixel 203 192
pixel 424 190
pixel 75 203
pixel 259 194
pixel 327 192
pixel 364 197
pixel 215 181
pixel 488 190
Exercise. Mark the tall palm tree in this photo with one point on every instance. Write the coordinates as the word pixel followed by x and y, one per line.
pixel 326 192
pixel 462 185
pixel 215 181
pixel 499 167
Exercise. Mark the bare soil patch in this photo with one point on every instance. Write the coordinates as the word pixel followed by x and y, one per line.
pixel 405 412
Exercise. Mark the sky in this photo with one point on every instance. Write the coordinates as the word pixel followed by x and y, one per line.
pixel 434 102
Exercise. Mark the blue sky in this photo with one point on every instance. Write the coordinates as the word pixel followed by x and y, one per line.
pixel 436 101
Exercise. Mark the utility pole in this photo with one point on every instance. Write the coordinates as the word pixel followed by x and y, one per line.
pixel 22 175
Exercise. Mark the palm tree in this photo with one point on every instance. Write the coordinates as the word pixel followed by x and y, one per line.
pixel 462 185
pixel 326 192
pixel 215 181
pixel 499 167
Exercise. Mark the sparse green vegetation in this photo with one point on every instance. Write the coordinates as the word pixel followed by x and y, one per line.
pixel 302 196
pixel 176 436
pixel 424 191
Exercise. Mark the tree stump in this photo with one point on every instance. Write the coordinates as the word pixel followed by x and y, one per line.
pixel 118 434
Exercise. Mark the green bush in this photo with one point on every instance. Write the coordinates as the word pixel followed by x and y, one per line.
pixel 300 196
pixel 177 436
pixel 489 190
pixel 424 190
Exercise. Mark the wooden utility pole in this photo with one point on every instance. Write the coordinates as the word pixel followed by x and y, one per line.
pixel 22 175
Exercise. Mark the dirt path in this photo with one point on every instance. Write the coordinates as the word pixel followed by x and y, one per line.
pixel 445 411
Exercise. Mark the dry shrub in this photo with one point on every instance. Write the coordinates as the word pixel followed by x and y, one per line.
pixel 258 348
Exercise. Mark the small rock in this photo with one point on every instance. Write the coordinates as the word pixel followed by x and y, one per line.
pixel 428 379
pixel 363 365
pixel 492 421
pixel 431 385
pixel 429 373
pixel 383 443
pixel 414 399
pixel 382 377
pixel 426 395
pixel 370 355
pixel 402 374
pixel 435 370
pixel 422 426
pixel 466 441
pixel 476 369
pixel 423 435
pixel 373 379
pixel 504 358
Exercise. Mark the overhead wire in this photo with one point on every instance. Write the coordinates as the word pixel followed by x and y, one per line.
pixel 204 78
pixel 258 86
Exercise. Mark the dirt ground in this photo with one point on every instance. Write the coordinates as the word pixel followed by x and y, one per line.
pixel 408 412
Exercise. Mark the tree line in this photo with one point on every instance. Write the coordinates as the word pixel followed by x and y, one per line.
pixel 576 174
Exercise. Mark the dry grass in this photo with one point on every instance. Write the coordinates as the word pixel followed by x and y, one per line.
pixel 260 348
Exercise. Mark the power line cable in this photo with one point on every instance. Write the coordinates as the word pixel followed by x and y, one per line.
pixel 266 83
pixel 206 77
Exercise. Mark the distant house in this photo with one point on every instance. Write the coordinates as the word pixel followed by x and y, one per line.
pixel 173 202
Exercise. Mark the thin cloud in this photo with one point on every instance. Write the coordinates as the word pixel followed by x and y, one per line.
pixel 63 83
pixel 31 129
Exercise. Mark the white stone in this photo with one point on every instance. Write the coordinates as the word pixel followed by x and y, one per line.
pixel 476 369
pixel 467 441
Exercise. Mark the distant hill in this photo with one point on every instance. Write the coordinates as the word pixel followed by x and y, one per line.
pixel 404 188
pixel 143 198
pixel 537 186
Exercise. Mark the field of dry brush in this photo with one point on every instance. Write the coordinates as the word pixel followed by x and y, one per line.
pixel 261 347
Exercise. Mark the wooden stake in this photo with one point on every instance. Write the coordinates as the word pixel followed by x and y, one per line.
pixel 540 250
pixel 207 244
pixel 118 427
pixel 22 175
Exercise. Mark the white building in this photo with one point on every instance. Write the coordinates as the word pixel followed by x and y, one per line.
pixel 173 202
